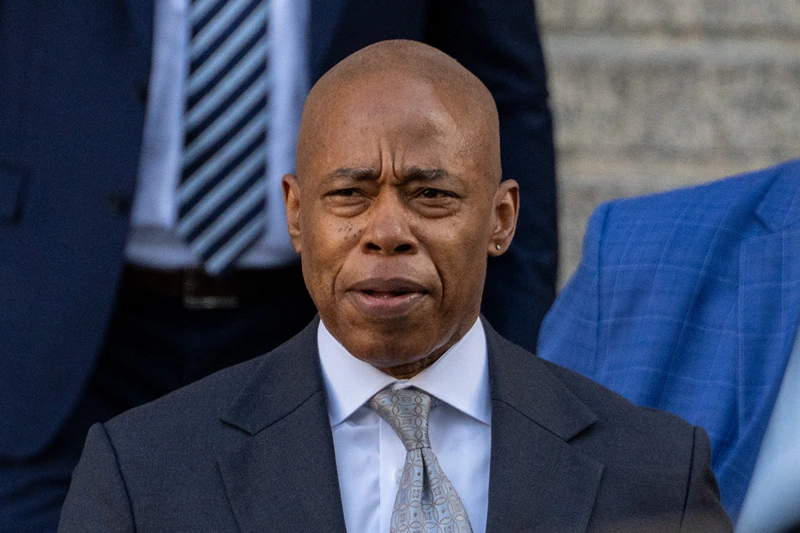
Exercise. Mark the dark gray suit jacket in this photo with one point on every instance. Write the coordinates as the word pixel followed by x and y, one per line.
pixel 250 449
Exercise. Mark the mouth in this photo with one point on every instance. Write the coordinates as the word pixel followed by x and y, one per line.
pixel 387 298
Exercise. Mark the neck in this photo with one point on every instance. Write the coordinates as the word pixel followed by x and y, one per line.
pixel 409 370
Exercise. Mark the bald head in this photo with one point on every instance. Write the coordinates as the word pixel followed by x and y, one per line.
pixel 397 202
pixel 406 58
pixel 393 68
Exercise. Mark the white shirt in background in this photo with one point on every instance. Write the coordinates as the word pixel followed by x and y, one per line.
pixel 152 240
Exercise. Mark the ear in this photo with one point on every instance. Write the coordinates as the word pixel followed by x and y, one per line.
pixel 291 197
pixel 506 209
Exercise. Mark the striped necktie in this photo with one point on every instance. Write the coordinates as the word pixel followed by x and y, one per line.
pixel 222 195
pixel 426 501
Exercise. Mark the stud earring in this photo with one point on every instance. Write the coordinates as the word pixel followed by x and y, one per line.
pixel 498 247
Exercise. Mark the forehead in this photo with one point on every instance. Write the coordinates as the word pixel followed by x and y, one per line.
pixel 408 118
pixel 394 96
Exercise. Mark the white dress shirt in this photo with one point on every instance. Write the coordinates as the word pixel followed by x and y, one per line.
pixel 153 240
pixel 370 455
pixel 772 501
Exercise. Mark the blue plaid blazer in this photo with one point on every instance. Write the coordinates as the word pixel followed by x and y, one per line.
pixel 688 301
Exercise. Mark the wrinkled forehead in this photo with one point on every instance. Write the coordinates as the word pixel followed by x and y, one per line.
pixel 394 109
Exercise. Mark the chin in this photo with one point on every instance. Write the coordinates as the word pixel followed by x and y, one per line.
pixel 388 342
pixel 385 352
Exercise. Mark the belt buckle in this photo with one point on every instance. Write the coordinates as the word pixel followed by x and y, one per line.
pixel 190 299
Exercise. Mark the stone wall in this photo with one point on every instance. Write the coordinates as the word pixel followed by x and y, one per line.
pixel 651 95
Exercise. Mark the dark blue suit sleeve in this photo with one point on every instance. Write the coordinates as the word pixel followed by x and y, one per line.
pixel 569 335
pixel 97 499
pixel 498 41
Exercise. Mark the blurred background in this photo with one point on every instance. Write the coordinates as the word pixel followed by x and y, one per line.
pixel 651 95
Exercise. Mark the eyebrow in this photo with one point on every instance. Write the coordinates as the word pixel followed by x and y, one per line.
pixel 426 174
pixel 434 175
pixel 355 173
pixel 412 173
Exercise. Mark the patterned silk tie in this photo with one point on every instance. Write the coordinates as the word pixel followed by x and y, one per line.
pixel 426 501
pixel 222 195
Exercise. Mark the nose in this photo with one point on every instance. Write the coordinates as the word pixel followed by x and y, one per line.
pixel 389 230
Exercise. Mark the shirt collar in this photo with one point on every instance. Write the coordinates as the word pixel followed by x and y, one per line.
pixel 459 378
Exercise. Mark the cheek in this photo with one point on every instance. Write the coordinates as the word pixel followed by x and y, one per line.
pixel 327 243
pixel 460 258
pixel 347 231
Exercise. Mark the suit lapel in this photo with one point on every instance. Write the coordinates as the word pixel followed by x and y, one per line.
pixel 769 295
pixel 279 470
pixel 325 17
pixel 141 15
pixel 537 481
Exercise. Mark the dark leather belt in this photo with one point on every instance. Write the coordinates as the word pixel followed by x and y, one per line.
pixel 193 288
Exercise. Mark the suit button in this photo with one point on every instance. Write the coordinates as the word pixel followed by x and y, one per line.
pixel 120 203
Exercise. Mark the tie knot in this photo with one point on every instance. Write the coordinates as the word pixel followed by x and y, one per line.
pixel 406 411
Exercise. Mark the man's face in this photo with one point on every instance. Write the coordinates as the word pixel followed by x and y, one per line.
pixel 393 212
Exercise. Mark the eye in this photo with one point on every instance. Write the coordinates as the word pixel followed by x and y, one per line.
pixel 346 201
pixel 347 193
pixel 435 203
pixel 432 194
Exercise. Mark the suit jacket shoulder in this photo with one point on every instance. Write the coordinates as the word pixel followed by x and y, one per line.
pixel 649 260
pixel 618 467
pixel 238 450
pixel 697 212
pixel 673 289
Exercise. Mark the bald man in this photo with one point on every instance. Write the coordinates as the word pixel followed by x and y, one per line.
pixel 398 408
